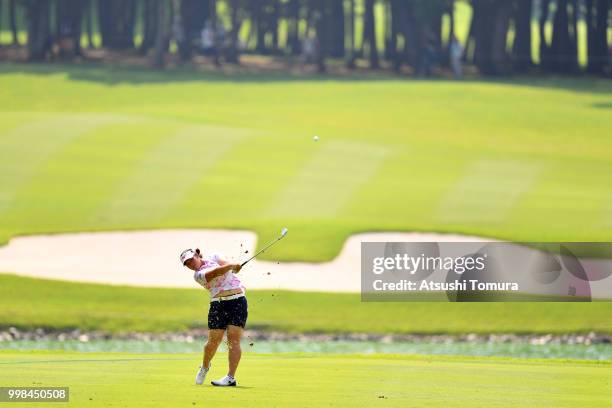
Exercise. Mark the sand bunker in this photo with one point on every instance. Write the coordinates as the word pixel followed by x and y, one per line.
pixel 150 258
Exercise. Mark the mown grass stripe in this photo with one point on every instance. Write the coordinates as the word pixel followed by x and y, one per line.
pixel 488 191
pixel 84 170
pixel 325 184
pixel 164 175
pixel 26 148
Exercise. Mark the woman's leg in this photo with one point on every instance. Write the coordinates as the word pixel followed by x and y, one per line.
pixel 234 333
pixel 215 336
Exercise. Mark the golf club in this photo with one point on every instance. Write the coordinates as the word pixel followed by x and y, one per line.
pixel 282 235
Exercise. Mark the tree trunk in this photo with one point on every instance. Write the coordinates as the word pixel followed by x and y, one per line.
pixel 321 30
pixel 161 41
pixel 89 23
pixel 116 22
pixel 434 20
pixel 69 20
pixel 470 45
pixel 13 21
pixel 350 55
pixel 150 16
pixel 293 36
pixel 393 23
pixel 574 32
pixel 369 33
pixel 422 33
pixel 522 39
pixel 336 14
pixel 481 33
pixel 500 58
pixel 413 35
pixel 563 58
pixel 39 38
pixel 452 28
pixel 399 28
pixel 232 55
pixel 257 19
pixel 599 56
pixel 445 43
pixel 273 17
pixel 490 34
pixel 193 15
pixel 212 12
pixel 545 60
pixel 591 36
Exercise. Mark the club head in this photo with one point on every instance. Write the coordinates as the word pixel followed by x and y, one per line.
pixel 284 232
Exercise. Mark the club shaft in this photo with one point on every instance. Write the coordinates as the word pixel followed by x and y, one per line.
pixel 263 249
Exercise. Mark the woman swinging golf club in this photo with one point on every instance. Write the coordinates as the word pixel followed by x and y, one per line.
pixel 228 309
pixel 228 306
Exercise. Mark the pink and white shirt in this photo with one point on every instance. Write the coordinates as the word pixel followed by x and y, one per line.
pixel 227 281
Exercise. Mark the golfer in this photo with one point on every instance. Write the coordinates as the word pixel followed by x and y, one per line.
pixel 228 309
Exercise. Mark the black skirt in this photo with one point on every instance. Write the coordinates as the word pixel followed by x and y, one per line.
pixel 228 312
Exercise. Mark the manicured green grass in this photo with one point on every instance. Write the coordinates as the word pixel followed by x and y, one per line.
pixel 114 379
pixel 95 148
pixel 32 303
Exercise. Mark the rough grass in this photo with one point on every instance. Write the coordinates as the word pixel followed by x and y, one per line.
pixel 30 303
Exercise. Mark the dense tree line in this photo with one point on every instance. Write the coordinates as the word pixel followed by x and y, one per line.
pixel 409 33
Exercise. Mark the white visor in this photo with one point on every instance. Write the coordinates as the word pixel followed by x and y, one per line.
pixel 187 255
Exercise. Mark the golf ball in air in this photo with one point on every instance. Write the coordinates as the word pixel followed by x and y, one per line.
pixel 315 138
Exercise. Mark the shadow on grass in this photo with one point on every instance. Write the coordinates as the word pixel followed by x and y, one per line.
pixel 602 105
pixel 136 75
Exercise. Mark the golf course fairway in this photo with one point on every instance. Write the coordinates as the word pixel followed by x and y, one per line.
pixel 106 147
pixel 166 380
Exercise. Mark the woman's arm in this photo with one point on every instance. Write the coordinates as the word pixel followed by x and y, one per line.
pixel 221 270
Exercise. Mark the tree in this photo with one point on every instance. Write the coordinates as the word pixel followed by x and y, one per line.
pixel 232 52
pixel 212 16
pixel 89 22
pixel 412 31
pixel 521 49
pixel 257 26
pixel 69 26
pixel 350 55
pixel 116 22
pixel 591 26
pixel 563 52
pixel 162 37
pixel 150 20
pixel 272 22
pixel 39 36
pixel 598 11
pixel 321 22
pixel 398 21
pixel 369 33
pixel 194 14
pixel 264 18
pixel 13 21
pixel 545 59
pixel 293 35
pixel 422 21
pixel 336 35
pixel 491 24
